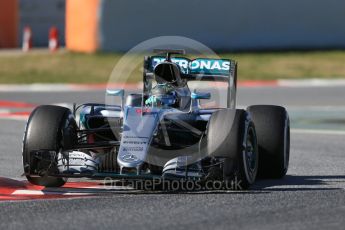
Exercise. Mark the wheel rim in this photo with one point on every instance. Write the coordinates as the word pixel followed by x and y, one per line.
pixel 250 155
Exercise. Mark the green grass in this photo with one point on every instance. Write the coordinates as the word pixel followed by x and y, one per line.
pixel 56 68
pixel 68 67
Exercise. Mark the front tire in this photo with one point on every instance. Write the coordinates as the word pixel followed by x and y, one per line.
pixel 231 134
pixel 48 128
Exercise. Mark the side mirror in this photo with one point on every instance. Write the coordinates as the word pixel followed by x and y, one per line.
pixel 119 93
pixel 197 96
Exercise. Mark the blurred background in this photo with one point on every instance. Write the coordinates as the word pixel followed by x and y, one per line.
pixel 270 39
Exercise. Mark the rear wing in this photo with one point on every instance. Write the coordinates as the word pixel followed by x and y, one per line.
pixel 199 69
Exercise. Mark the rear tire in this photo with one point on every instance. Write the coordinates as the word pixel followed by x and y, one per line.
pixel 239 147
pixel 49 128
pixel 273 130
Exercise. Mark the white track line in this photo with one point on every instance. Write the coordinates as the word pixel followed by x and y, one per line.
pixel 36 88
pixel 315 82
pixel 62 87
pixel 318 131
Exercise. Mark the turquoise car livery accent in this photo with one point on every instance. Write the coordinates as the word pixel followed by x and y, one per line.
pixel 204 66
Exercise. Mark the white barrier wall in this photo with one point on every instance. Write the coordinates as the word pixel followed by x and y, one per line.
pixel 40 15
pixel 225 24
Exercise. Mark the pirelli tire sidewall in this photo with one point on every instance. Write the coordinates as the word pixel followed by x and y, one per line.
pixel 227 134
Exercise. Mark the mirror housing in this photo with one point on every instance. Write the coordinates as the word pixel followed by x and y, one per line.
pixel 119 93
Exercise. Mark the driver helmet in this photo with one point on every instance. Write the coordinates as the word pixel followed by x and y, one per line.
pixel 168 77
pixel 163 95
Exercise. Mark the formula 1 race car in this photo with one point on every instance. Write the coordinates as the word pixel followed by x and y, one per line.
pixel 162 132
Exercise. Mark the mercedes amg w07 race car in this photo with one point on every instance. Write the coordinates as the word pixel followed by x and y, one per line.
pixel 161 132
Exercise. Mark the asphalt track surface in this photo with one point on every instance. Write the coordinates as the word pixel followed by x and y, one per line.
pixel 311 196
